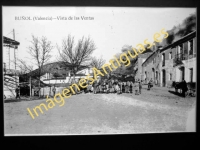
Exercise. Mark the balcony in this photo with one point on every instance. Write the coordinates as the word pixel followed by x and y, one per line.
pixel 179 58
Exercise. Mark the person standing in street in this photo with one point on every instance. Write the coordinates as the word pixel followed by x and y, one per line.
pixel 140 87
pixel 125 87
pixel 150 84
pixel 131 86
pixel 120 87
pixel 110 86
pixel 54 90
pixel 128 87
pixel 95 87
pixel 184 87
pixel 17 91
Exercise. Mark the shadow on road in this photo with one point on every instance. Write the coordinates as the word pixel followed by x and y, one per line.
pixel 175 93
pixel 13 100
pixel 23 99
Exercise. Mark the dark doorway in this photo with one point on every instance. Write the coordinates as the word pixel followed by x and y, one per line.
pixel 191 75
pixel 182 73
pixel 153 74
pixel 145 77
pixel 163 78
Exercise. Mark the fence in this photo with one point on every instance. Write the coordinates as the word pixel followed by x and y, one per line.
pixel 48 91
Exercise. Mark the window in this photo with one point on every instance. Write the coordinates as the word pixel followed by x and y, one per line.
pixel 180 50
pixel 163 59
pixel 170 76
pixel 191 47
pixel 170 55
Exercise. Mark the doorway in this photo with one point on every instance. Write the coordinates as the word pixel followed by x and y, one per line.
pixel 182 73
pixel 156 77
pixel 163 77
pixel 191 75
pixel 153 74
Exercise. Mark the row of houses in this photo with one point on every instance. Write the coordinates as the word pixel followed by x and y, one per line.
pixel 173 62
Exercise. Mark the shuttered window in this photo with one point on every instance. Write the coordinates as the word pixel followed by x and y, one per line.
pixel 191 47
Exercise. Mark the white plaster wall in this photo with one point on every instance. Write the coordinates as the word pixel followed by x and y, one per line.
pixel 190 63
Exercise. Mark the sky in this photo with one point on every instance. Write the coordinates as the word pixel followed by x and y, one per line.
pixel 111 28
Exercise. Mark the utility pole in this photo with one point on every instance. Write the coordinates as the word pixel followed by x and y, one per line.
pixel 14 56
pixel 9 56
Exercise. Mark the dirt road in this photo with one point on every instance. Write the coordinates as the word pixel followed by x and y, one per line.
pixel 104 114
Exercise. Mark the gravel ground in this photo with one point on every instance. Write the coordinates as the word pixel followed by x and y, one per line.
pixel 154 111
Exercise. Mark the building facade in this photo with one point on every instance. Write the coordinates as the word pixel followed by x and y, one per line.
pixel 151 67
pixel 10 72
pixel 138 65
pixel 49 79
pixel 174 62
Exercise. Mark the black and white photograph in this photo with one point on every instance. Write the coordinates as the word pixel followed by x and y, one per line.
pixel 70 70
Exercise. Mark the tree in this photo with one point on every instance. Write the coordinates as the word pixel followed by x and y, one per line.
pixel 97 62
pixel 78 56
pixel 23 66
pixel 40 51
pixel 126 70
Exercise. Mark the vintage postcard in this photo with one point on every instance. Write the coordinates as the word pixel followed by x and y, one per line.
pixel 99 70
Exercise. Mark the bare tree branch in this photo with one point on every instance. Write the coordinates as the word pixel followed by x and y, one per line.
pixel 97 62
pixel 40 51
pixel 78 55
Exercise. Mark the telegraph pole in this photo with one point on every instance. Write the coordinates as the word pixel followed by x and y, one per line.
pixel 14 56
pixel 9 56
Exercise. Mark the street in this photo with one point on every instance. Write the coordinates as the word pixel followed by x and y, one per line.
pixel 154 111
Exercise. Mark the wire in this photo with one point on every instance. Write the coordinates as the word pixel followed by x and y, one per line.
pixel 9 32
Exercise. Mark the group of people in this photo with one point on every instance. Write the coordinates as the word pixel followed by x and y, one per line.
pixel 114 86
pixel 108 86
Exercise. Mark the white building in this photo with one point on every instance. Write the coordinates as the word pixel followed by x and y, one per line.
pixel 49 79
